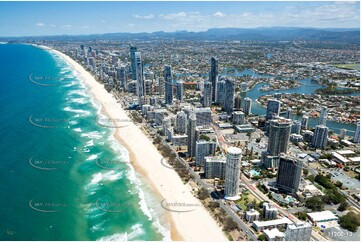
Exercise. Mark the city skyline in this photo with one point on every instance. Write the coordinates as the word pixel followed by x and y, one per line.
pixel 74 18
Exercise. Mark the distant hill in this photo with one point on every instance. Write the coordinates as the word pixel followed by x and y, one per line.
pixel 272 34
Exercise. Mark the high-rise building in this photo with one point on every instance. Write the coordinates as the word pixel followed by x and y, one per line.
pixel 139 73
pixel 207 94
pixel 289 174
pixel 133 62
pixel 273 109
pixel 247 106
pixel 243 86
pixel 356 137
pixel 203 149
pixel 231 184
pixel 269 211
pixel 252 215
pixel 304 121
pixel 237 102
pixel 323 116
pixel 296 127
pixel 204 116
pixel 161 88
pixel 221 92
pixel 168 78
pixel 300 231
pixel 213 77
pixel 279 135
pixel 214 167
pixel 289 113
pixel 238 117
pixel 229 98
pixel 192 124
pixel 180 90
pixel 320 137
pixel 181 122
pixel 123 76
pixel 342 134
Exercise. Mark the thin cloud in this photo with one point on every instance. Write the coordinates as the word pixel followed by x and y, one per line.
pixel 40 24
pixel 219 14
pixel 150 16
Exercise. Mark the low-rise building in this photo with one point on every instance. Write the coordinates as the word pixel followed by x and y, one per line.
pixel 252 215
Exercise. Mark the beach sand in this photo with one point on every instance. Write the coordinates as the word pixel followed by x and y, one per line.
pixel 189 219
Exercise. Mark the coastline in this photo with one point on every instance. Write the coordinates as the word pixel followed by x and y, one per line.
pixel 197 225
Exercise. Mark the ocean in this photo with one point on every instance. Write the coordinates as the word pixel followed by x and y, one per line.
pixel 63 175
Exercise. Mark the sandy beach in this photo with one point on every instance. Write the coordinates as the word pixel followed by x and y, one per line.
pixel 189 220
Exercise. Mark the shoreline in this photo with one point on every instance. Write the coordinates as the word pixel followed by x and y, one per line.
pixel 197 225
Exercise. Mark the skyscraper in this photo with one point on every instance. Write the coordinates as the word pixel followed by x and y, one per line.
pixel 180 90
pixel 273 108
pixel 229 98
pixel 161 85
pixel 203 149
pixel 342 133
pixel 133 62
pixel 214 167
pixel 289 174
pixel 356 137
pixel 214 76
pixel 123 76
pixel 139 72
pixel 304 121
pixel 247 106
pixel 237 102
pixel 300 231
pixel 181 122
pixel 320 137
pixel 289 113
pixel 168 84
pixel 296 127
pixel 221 92
pixel 231 184
pixel 192 124
pixel 279 135
pixel 323 116
pixel 207 94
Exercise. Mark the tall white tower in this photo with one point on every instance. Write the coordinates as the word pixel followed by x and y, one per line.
pixel 231 185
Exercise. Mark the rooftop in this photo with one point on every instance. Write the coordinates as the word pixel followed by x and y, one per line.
pixel 321 216
pixel 274 222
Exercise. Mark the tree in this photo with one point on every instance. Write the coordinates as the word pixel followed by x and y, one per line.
pixel 343 206
pixel 305 172
pixel 202 193
pixel 301 215
pixel 262 237
pixel 314 203
pixel 350 221
pixel 230 224
pixel 338 184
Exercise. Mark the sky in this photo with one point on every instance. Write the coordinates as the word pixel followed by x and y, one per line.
pixel 75 18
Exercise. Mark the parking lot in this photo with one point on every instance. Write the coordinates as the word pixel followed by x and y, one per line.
pixel 351 183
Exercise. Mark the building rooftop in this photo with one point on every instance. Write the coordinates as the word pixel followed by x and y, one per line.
pixel 274 222
pixel 321 216
pixel 273 233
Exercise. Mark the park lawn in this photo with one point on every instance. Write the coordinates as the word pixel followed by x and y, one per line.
pixel 348 66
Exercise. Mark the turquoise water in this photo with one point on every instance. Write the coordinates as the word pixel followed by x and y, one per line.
pixel 52 187
pixel 307 87
pixel 253 172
